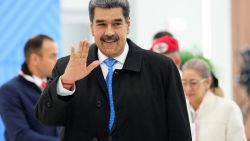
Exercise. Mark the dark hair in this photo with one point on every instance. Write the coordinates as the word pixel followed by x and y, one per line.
pixel 108 4
pixel 161 34
pixel 215 81
pixel 34 45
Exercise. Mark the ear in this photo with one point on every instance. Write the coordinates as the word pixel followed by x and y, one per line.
pixel 128 23
pixel 34 58
pixel 209 82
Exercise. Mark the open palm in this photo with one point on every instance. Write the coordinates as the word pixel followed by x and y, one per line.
pixel 77 67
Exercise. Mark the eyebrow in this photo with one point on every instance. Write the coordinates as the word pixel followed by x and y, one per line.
pixel 100 21
pixel 189 79
pixel 118 20
pixel 103 21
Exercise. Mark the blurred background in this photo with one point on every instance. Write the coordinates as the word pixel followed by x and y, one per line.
pixel 218 30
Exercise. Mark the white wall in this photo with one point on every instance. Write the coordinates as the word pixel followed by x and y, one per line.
pixel 221 43
pixel 75 23
pixel 183 18
pixel 156 15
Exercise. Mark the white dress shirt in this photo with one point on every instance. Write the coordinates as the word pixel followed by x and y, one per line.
pixel 120 62
pixel 34 79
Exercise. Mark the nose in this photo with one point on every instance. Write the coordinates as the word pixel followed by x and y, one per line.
pixel 109 30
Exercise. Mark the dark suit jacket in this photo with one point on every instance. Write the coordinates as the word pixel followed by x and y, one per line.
pixel 17 102
pixel 148 95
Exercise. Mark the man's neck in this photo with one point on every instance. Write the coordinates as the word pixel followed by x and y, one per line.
pixel 34 72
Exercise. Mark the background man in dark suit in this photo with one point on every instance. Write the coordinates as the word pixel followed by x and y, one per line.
pixel 114 90
pixel 19 95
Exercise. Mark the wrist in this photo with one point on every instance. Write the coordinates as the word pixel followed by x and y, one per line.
pixel 66 81
pixel 67 84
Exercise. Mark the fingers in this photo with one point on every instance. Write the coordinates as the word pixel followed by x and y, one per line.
pixel 83 49
pixel 72 53
pixel 93 65
pixel 80 49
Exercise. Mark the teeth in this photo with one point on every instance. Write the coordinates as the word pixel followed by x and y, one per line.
pixel 109 41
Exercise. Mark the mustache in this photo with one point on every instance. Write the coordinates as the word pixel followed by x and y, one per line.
pixel 107 38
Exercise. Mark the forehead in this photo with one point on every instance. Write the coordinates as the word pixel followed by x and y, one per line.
pixel 190 74
pixel 170 55
pixel 108 14
pixel 49 46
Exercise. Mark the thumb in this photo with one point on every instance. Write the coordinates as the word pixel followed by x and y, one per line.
pixel 93 65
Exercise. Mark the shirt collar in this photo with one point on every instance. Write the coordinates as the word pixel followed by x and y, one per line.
pixel 133 59
pixel 38 81
pixel 121 58
pixel 34 79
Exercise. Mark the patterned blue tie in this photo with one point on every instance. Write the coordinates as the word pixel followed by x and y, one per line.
pixel 110 63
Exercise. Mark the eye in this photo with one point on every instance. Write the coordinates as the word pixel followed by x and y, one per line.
pixel 184 83
pixel 194 83
pixel 117 24
pixel 100 24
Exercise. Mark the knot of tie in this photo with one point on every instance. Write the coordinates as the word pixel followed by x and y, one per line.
pixel 110 62
pixel 43 85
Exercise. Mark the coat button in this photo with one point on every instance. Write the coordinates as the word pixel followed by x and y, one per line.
pixel 95 139
pixel 98 104
pixel 48 104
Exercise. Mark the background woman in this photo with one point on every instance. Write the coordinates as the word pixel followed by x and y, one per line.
pixel 212 118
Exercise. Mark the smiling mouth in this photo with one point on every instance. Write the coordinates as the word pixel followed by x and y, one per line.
pixel 109 41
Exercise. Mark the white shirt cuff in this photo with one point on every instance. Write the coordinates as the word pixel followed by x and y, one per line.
pixel 61 90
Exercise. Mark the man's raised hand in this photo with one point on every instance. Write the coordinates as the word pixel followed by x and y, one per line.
pixel 77 66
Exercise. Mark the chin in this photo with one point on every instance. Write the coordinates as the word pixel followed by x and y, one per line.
pixel 112 55
pixel 190 98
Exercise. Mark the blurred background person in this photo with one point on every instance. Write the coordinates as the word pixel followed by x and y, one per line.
pixel 244 77
pixel 244 81
pixel 165 44
pixel 19 95
pixel 212 118
pixel 160 43
pixel 161 34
